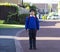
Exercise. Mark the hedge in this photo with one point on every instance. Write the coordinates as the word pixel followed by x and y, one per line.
pixel 6 8
pixel 11 14
pixel 16 20
pixel 22 18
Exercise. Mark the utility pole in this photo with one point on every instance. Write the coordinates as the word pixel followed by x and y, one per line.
pixel 22 2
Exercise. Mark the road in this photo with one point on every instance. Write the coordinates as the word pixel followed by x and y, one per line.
pixel 49 29
pixel 8 45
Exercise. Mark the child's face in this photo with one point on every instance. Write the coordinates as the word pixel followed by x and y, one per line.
pixel 32 13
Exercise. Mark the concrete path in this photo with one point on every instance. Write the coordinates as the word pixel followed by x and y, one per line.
pixel 7 41
pixel 48 29
pixel 48 39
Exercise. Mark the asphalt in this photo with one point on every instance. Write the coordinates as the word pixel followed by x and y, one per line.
pixel 44 45
pixel 9 31
pixel 47 29
pixel 8 45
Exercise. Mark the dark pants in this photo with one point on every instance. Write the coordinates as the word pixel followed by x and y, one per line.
pixel 32 38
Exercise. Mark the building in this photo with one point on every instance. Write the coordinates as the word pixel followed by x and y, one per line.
pixel 59 8
pixel 45 7
pixel 11 1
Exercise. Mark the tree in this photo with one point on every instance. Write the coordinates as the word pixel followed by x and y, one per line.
pixel 28 5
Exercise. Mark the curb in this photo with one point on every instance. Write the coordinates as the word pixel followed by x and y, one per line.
pixel 17 42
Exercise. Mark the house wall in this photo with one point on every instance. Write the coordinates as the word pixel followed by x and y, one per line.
pixel 45 7
pixel 11 1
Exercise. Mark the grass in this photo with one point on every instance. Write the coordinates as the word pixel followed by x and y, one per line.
pixel 1 21
pixel 11 26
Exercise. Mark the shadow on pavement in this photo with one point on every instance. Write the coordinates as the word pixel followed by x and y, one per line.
pixel 49 23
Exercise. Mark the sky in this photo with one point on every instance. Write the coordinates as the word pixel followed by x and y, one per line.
pixel 41 1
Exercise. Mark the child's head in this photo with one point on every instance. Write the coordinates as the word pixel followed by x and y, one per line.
pixel 32 12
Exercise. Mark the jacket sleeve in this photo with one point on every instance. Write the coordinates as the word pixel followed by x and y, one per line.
pixel 37 23
pixel 26 23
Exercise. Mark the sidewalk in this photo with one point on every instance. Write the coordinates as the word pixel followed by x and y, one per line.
pixel 7 45
pixel 48 29
pixel 43 45
pixel 7 41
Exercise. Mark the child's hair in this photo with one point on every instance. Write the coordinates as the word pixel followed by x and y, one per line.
pixel 32 10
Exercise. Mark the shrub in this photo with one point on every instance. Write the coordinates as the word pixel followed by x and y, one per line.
pixel 8 9
pixel 11 14
pixel 22 18
pixel 11 18
pixel 16 20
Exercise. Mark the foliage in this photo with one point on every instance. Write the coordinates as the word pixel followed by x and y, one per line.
pixel 16 20
pixel 1 21
pixel 10 5
pixel 7 4
pixel 28 5
pixel 11 18
pixel 22 18
pixel 33 7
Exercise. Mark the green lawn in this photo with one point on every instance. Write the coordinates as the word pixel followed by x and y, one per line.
pixel 11 26
pixel 1 21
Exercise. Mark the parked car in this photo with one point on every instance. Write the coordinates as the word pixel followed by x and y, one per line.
pixel 53 16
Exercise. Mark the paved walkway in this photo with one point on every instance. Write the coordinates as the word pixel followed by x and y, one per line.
pixel 7 41
pixel 48 30
pixel 48 39
pixel 7 45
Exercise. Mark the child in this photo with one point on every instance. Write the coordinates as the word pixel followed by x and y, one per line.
pixel 32 25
